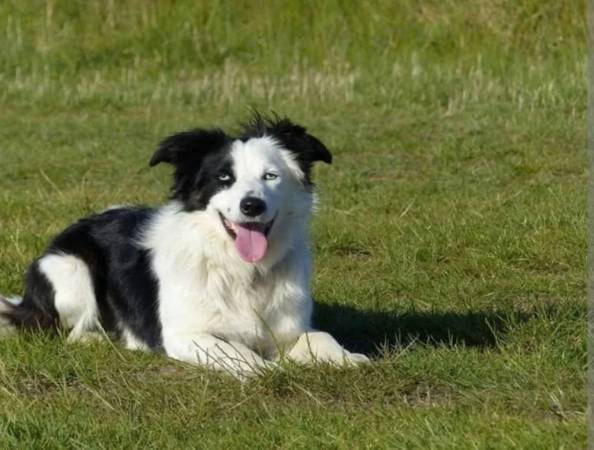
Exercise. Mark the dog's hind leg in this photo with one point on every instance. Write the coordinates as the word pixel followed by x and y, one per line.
pixel 58 292
pixel 74 296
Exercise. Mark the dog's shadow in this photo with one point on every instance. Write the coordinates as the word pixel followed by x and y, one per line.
pixel 370 332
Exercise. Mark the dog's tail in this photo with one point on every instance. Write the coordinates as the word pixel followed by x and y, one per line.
pixel 8 307
pixel 18 313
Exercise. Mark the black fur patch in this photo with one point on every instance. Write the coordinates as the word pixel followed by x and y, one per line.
pixel 198 156
pixel 125 288
pixel 209 180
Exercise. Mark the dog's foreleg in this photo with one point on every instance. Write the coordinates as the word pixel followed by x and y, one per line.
pixel 319 346
pixel 210 351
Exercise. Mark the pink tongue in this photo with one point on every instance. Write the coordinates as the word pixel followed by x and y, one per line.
pixel 251 244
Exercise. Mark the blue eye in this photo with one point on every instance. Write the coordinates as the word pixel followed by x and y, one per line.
pixel 268 176
pixel 224 177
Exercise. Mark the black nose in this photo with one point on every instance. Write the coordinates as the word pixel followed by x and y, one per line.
pixel 252 206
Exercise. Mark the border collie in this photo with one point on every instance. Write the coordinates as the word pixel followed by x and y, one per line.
pixel 219 276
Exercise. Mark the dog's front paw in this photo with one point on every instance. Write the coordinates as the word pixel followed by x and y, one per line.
pixel 355 358
pixel 318 346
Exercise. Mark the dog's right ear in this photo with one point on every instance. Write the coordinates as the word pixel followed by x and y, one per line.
pixel 189 147
pixel 186 152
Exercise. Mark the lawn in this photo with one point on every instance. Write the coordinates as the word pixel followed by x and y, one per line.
pixel 450 240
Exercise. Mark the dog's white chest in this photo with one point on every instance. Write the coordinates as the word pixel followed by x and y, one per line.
pixel 261 311
pixel 205 288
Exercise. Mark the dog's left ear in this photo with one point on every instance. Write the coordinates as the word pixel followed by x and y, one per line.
pixel 307 148
pixel 296 139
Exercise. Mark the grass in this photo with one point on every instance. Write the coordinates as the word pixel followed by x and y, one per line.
pixel 450 242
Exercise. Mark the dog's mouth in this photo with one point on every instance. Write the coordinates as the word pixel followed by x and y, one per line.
pixel 251 238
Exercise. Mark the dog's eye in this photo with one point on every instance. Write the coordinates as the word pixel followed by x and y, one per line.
pixel 224 177
pixel 268 176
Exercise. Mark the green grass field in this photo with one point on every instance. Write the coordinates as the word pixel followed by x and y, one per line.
pixel 450 241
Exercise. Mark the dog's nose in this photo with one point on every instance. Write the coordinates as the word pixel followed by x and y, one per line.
pixel 252 206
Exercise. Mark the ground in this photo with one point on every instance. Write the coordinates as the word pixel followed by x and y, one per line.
pixel 450 239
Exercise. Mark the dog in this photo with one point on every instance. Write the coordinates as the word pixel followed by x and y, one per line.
pixel 219 276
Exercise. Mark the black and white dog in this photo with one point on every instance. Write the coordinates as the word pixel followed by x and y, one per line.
pixel 219 276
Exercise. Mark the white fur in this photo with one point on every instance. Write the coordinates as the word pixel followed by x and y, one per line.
pixel 318 346
pixel 131 342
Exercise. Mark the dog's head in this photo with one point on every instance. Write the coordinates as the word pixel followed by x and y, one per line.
pixel 257 185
